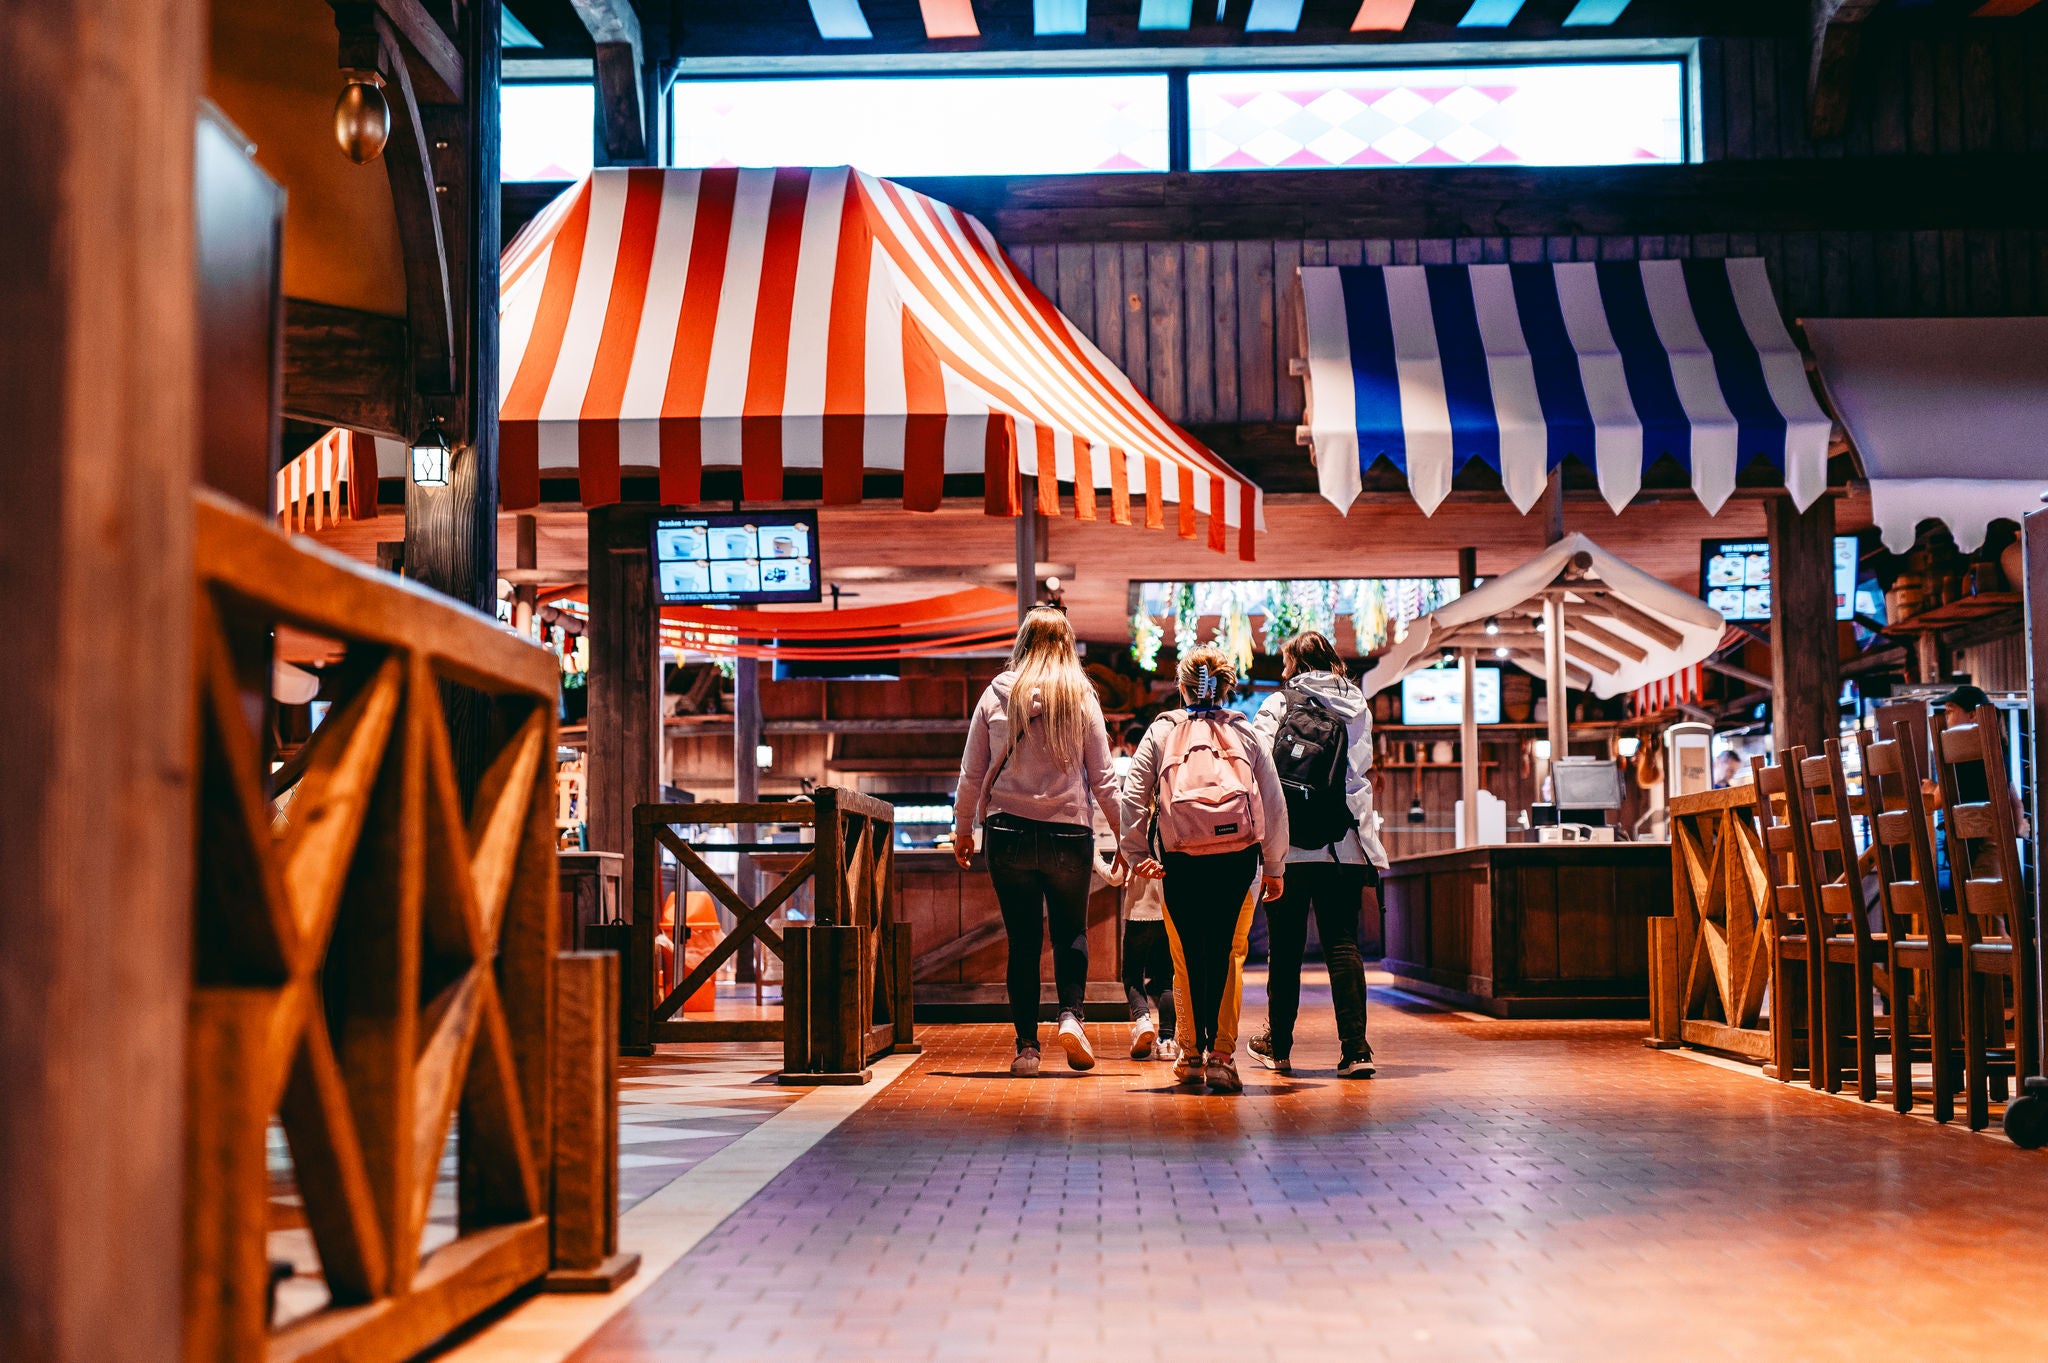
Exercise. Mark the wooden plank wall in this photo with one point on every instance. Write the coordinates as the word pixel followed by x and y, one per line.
pixel 1207 327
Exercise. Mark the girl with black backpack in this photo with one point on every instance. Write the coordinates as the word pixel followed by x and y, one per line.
pixel 1319 731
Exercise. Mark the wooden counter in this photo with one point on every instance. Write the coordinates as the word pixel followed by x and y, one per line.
pixel 1529 930
pixel 957 937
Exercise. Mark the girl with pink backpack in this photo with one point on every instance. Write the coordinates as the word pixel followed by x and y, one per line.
pixel 1204 809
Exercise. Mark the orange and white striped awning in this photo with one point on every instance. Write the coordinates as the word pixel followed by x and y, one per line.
pixel 333 479
pixel 818 319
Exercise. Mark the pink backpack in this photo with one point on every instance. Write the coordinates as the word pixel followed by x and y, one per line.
pixel 1208 795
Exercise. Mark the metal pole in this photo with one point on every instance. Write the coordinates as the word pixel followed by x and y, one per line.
pixel 1468 746
pixel 746 773
pixel 1559 703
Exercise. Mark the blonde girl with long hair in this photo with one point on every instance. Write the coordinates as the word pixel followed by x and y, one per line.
pixel 1037 754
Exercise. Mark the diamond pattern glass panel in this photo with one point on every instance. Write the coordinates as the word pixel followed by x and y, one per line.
pixel 1576 114
pixel 936 125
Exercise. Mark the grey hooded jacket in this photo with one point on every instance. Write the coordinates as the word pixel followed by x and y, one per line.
pixel 1362 844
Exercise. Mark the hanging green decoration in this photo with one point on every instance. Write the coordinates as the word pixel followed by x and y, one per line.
pixel 1184 616
pixel 1146 636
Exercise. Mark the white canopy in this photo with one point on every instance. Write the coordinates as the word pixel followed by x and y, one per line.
pixel 1623 628
pixel 1949 416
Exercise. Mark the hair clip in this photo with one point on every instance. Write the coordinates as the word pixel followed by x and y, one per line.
pixel 1205 682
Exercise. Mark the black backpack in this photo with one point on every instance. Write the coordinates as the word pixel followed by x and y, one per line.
pixel 1311 753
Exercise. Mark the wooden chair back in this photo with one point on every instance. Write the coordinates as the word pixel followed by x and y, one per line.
pixel 1912 714
pixel 1825 827
pixel 1791 915
pixel 1903 847
pixel 1982 835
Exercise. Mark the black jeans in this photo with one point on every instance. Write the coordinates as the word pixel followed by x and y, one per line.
pixel 1203 897
pixel 1333 892
pixel 1148 972
pixel 1040 873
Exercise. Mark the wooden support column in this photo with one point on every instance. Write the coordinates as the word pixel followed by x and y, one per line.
pixel 1805 668
pixel 625 701
pixel 1030 547
pixel 526 557
pixel 451 533
pixel 98 361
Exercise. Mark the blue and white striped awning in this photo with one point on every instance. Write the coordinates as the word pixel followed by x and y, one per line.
pixel 1618 363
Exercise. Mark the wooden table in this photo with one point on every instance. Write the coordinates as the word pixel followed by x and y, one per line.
pixel 1529 930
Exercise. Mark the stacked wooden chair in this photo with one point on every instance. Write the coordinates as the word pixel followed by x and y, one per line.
pixel 1851 952
pixel 1796 998
pixel 1982 838
pixel 1923 946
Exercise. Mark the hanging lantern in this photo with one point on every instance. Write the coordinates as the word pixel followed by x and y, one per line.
pixel 430 457
pixel 362 117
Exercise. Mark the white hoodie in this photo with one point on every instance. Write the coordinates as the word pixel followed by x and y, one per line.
pixel 1347 702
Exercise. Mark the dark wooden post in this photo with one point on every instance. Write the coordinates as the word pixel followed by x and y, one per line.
pixel 625 714
pixel 451 533
pixel 2034 541
pixel 1805 668
pixel 97 358
pixel 1030 546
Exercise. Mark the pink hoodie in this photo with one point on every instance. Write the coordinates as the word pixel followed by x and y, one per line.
pixel 1031 784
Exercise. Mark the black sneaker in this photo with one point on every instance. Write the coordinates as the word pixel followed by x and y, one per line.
pixel 1357 1064
pixel 1261 1047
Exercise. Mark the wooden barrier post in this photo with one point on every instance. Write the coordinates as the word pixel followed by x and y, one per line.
pixel 847 973
pixel 585 1245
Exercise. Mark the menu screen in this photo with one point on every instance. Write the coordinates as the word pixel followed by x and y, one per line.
pixel 1735 577
pixel 736 558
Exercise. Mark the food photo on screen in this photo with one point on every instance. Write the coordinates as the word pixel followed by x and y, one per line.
pixel 785 541
pixel 679 542
pixel 685 579
pixel 732 541
pixel 785 575
pixel 738 576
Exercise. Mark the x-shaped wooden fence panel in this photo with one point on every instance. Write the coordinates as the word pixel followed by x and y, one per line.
pixel 371 959
pixel 846 973
pixel 1711 961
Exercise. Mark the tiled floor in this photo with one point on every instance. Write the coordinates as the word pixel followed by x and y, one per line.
pixel 676 1108
pixel 1534 1191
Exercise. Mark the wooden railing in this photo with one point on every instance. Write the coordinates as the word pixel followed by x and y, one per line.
pixel 846 991
pixel 373 958
pixel 1710 962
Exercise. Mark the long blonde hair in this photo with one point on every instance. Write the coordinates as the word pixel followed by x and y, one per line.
pixel 1046 665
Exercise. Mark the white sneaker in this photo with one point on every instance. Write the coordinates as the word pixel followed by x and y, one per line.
pixel 1074 1039
pixel 1144 1032
pixel 1166 1049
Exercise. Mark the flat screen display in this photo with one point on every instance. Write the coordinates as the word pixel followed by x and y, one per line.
pixel 1586 783
pixel 1436 695
pixel 1735 577
pixel 736 558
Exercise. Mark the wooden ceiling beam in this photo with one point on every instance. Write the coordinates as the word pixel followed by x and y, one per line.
pixel 617 59
pixel 438 75
pixel 1830 77
pixel 409 165
pixel 346 368
pixel 1894 193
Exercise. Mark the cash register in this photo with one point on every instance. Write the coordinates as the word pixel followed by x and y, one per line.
pixel 1583 790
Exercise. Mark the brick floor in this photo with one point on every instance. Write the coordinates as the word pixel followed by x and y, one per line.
pixel 1516 1191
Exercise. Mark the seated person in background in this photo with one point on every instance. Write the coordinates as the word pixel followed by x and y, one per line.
pixel 1728 764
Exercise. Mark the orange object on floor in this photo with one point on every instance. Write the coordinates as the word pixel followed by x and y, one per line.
pixel 702 920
